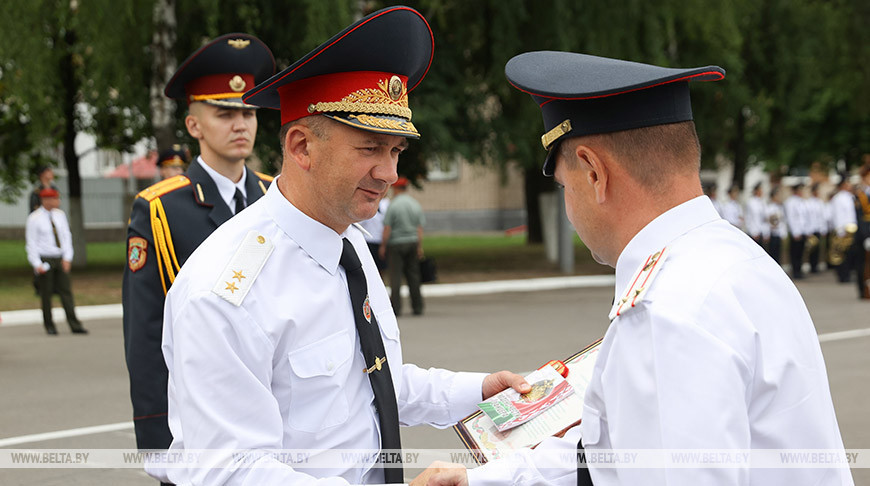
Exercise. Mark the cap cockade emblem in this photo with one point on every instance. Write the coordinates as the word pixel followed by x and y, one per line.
pixel 237 84
pixel 395 88
pixel 238 43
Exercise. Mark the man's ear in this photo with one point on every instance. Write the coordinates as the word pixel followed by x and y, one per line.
pixel 297 143
pixel 192 124
pixel 596 166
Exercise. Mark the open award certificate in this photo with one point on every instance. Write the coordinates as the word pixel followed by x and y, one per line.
pixel 481 436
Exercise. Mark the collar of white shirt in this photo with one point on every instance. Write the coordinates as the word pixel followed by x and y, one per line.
pixel 660 232
pixel 226 187
pixel 319 241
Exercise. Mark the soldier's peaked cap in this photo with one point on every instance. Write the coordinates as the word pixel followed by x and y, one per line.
pixel 581 94
pixel 360 77
pixel 220 72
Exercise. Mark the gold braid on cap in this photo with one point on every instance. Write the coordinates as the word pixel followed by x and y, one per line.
pixel 386 124
pixel 369 100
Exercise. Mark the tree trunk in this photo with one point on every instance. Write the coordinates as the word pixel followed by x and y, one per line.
pixel 535 183
pixel 163 65
pixel 70 84
pixel 739 151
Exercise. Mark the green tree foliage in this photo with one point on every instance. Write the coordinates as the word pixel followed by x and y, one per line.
pixel 797 88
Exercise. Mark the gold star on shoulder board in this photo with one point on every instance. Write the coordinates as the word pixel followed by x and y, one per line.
pixel 231 286
pixel 238 275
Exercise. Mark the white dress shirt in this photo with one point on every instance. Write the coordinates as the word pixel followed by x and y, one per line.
pixel 39 237
pixel 776 219
pixel 720 353
pixel 756 218
pixel 843 211
pixel 796 216
pixel 284 369
pixel 816 215
pixel 732 212
pixel 375 225
pixel 226 187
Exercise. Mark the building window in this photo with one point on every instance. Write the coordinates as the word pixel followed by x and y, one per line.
pixel 443 168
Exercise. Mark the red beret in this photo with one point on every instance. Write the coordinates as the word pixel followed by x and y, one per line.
pixel 49 192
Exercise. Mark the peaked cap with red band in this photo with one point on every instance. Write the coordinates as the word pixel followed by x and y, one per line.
pixel 220 72
pixel 172 157
pixel 581 94
pixel 360 77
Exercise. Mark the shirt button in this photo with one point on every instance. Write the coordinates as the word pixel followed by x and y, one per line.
pixel 330 365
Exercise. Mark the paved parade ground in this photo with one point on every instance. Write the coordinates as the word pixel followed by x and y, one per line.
pixel 71 391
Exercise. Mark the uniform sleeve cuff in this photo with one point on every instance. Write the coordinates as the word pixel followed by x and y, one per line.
pixel 465 394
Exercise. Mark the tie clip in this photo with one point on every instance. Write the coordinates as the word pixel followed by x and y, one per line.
pixel 377 365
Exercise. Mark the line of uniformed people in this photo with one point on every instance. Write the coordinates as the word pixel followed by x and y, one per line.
pixel 815 225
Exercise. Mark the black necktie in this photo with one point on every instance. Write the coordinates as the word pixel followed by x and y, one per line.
pixel 375 358
pixel 240 200
pixel 583 476
pixel 54 230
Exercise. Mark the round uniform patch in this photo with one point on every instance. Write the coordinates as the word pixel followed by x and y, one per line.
pixel 136 253
pixel 367 310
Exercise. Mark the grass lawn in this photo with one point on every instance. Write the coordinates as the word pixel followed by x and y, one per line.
pixel 460 258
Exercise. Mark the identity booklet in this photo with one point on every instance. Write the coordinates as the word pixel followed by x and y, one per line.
pixel 481 435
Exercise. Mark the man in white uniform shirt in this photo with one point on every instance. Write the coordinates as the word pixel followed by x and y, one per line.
pixel 278 330
pixel 776 220
pixel 757 225
pixel 797 218
pixel 845 225
pixel 710 346
pixel 48 242
pixel 818 227
pixel 731 209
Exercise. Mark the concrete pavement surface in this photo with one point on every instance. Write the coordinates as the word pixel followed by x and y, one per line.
pixel 71 391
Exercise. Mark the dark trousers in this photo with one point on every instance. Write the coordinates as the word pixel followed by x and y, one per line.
pixel 402 260
pixel 56 281
pixel 796 256
pixel 774 248
pixel 374 248
pixel 859 262
pixel 814 253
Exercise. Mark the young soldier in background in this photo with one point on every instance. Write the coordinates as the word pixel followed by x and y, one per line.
pixel 171 218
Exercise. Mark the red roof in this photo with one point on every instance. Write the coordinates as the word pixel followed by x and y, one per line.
pixel 143 168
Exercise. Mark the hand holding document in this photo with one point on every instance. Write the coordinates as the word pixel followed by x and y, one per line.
pixel 482 436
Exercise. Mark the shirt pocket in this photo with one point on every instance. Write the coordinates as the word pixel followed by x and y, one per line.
pixel 387 322
pixel 318 373
pixel 590 427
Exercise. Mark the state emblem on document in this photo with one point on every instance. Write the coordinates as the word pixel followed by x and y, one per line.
pixel 367 310
pixel 136 254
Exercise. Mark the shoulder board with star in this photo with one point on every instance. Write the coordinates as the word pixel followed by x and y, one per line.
pixel 640 283
pixel 165 186
pixel 243 268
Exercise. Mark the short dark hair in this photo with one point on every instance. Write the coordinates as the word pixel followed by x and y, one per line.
pixel 648 153
pixel 316 123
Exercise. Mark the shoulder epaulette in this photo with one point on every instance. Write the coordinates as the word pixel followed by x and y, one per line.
pixel 264 177
pixel 243 268
pixel 163 187
pixel 640 283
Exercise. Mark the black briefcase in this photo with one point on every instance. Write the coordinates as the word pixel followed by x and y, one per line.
pixel 428 270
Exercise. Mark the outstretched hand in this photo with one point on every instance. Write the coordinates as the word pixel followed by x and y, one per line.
pixel 503 380
pixel 442 474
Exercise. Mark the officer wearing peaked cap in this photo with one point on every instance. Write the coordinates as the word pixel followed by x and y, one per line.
pixel 172 162
pixel 279 332
pixel 171 218
pixel 710 344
